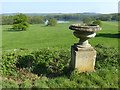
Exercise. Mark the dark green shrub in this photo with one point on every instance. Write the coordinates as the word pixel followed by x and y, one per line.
pixel 24 61
pixel 8 63
pixel 20 22
pixel 47 62
pixel 24 66
pixel 51 61
pixel 98 22
pixel 40 62
pixel 87 20
pixel 107 57
pixel 52 22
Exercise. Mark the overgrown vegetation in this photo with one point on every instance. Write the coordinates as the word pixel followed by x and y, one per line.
pixel 39 62
pixel 46 68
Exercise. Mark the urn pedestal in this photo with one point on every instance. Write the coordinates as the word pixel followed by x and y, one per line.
pixel 82 53
pixel 82 59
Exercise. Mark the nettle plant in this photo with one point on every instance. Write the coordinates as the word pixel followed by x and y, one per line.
pixel 47 62
pixel 38 62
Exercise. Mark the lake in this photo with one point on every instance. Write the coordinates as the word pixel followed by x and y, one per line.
pixel 62 21
pixel 46 22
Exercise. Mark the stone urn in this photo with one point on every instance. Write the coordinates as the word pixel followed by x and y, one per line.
pixel 82 53
pixel 84 32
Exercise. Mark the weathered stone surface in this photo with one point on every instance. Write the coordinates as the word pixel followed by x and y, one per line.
pixel 83 55
pixel 82 58
pixel 85 27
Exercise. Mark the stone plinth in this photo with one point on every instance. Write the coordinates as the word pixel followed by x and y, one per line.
pixel 83 59
pixel 82 53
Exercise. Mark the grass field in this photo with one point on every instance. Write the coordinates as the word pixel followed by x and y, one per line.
pixel 40 36
pixel 48 68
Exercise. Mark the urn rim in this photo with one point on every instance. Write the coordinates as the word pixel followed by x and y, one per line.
pixel 85 27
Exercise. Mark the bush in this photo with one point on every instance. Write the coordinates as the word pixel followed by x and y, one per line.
pixel 87 20
pixel 54 63
pixel 47 62
pixel 8 63
pixel 39 62
pixel 52 22
pixel 107 57
pixel 98 22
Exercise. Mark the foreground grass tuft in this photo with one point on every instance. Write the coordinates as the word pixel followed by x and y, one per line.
pixel 46 68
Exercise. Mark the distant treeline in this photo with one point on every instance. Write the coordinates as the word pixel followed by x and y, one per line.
pixel 8 20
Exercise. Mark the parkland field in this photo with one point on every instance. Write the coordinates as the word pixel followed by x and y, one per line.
pixel 44 53
pixel 40 36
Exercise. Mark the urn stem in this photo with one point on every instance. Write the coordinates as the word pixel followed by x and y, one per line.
pixel 84 42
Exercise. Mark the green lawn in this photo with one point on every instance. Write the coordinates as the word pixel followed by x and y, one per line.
pixel 41 36
pixel 38 68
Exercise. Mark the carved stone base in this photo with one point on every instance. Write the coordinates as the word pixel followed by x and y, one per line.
pixel 82 58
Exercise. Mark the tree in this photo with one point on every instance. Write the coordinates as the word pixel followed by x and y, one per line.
pixel 114 17
pixel 105 17
pixel 52 22
pixel 35 19
pixel 7 20
pixel 87 20
pixel 98 22
pixel 20 22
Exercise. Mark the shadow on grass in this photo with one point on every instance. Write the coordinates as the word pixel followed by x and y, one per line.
pixel 48 26
pixel 44 26
pixel 39 68
pixel 12 30
pixel 108 35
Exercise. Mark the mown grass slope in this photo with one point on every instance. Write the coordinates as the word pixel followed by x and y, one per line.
pixel 41 36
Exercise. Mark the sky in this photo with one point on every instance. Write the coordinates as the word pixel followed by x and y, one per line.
pixel 56 6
